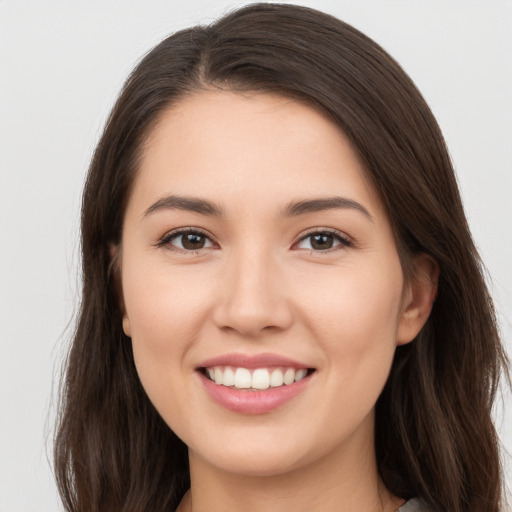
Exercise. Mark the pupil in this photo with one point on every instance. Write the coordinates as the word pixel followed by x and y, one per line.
pixel 193 241
pixel 321 242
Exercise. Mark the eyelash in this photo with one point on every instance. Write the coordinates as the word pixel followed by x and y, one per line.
pixel 344 241
pixel 166 240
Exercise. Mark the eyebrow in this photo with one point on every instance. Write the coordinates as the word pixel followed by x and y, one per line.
pixel 292 209
pixel 191 204
pixel 297 208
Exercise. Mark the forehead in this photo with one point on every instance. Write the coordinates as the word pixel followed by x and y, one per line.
pixel 240 147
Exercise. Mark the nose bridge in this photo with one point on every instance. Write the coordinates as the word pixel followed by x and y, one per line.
pixel 252 298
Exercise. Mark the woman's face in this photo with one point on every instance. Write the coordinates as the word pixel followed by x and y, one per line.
pixel 254 252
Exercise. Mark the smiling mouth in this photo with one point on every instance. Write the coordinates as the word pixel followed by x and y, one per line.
pixel 255 379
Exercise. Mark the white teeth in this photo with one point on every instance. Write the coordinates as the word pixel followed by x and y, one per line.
pixel 300 374
pixel 229 376
pixel 260 379
pixel 257 379
pixel 276 378
pixel 289 376
pixel 242 378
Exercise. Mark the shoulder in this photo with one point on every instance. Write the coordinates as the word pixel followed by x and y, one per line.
pixel 415 505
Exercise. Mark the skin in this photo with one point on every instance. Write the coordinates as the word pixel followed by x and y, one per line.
pixel 258 285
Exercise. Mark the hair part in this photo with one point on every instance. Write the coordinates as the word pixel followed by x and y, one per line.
pixel 434 433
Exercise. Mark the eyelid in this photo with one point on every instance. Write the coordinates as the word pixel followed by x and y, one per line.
pixel 345 240
pixel 165 240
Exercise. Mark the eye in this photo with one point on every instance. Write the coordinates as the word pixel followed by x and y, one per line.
pixel 324 240
pixel 186 240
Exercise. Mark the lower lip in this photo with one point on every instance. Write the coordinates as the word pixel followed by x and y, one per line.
pixel 253 402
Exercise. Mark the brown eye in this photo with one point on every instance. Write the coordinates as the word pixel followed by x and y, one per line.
pixel 323 241
pixel 186 240
pixel 192 241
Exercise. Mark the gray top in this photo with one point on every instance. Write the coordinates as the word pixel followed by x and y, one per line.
pixel 414 505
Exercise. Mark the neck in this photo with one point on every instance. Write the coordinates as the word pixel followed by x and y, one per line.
pixel 340 481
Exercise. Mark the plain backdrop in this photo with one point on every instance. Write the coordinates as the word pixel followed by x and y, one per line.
pixel 61 66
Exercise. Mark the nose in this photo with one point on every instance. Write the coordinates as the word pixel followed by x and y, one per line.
pixel 253 298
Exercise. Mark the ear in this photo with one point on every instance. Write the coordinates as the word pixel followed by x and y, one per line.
pixel 115 270
pixel 418 298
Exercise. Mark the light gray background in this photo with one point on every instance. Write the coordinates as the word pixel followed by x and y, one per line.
pixel 61 66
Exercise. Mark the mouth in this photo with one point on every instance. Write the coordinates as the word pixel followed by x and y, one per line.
pixel 254 379
pixel 254 384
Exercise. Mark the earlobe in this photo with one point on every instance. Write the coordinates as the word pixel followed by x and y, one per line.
pixel 126 326
pixel 115 271
pixel 418 298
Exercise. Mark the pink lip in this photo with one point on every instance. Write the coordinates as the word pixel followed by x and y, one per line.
pixel 253 402
pixel 265 360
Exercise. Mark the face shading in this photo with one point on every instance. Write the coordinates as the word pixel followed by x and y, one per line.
pixel 261 284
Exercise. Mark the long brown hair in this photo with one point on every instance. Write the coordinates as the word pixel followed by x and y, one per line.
pixel 434 435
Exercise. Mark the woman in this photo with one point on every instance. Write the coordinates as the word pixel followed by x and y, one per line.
pixel 282 303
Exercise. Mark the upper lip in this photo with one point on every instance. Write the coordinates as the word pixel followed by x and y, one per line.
pixel 265 360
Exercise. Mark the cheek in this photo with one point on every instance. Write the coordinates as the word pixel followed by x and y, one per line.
pixel 165 307
pixel 353 316
pixel 362 292
pixel 354 313
pixel 166 310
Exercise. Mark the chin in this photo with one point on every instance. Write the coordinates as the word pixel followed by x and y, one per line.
pixel 258 453
pixel 256 463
